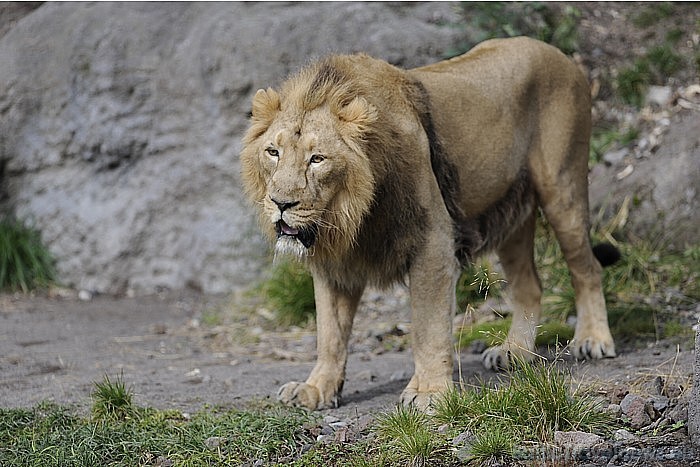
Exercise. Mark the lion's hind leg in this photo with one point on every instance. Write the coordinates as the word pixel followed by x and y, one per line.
pixel 517 259
pixel 566 209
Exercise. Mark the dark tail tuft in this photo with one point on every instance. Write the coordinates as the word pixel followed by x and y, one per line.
pixel 606 254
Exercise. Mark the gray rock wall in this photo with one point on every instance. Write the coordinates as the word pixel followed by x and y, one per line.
pixel 120 125
pixel 662 186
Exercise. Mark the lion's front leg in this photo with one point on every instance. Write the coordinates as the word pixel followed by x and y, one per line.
pixel 335 310
pixel 432 282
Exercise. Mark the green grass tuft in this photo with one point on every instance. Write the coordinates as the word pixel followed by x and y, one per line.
pixel 289 292
pixel 409 438
pixel 112 399
pixel 25 263
pixel 492 445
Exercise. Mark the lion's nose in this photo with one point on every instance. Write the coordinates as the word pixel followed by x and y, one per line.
pixel 284 205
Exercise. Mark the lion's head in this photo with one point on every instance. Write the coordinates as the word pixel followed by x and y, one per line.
pixel 305 164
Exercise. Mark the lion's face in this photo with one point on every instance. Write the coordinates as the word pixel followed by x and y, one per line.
pixel 308 174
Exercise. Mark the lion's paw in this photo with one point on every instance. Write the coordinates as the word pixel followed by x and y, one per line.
pixel 500 357
pixel 422 401
pixel 299 394
pixel 592 347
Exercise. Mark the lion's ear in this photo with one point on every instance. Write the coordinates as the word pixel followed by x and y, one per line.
pixel 357 117
pixel 266 104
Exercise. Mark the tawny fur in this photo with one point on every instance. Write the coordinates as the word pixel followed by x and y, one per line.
pixel 406 174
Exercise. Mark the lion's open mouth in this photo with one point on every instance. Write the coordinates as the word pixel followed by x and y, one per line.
pixel 307 236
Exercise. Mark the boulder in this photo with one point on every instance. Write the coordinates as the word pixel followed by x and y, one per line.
pixel 120 125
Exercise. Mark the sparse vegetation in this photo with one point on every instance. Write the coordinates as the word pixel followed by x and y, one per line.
pixel 490 423
pixel 50 435
pixel 289 292
pixel 534 19
pixel 25 263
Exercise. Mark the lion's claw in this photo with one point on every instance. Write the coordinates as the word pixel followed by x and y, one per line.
pixel 299 394
pixel 420 400
pixel 591 348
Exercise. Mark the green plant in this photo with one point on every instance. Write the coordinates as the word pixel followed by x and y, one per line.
pixel 25 263
pixel 665 62
pixel 604 139
pixel 632 81
pixel 408 436
pixel 491 333
pixel 654 67
pixel 112 399
pixel 290 293
pixel 557 26
pixel 475 285
pixel 652 13
pixel 492 445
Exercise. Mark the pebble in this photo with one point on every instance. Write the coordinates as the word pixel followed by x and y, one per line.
pixel 613 409
pixel 636 409
pixel 85 295
pixel 215 442
pixel 576 441
pixel 659 95
pixel 660 403
pixel 623 435
pixel 399 375
pixel 615 157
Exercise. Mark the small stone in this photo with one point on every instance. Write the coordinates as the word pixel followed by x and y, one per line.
pixel 363 423
pixel 615 157
pixel 215 442
pixel 635 408
pixel 655 387
pixel 162 461
pixel 576 441
pixel 466 437
pixel 343 435
pixel 618 393
pixel 338 425
pixel 399 375
pixel 679 413
pixel 85 295
pixel 660 403
pixel 624 435
pixel 673 390
pixel 613 409
pixel 659 95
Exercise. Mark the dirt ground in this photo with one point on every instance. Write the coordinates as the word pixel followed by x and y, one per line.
pixel 187 351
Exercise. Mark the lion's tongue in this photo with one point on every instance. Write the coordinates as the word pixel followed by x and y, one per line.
pixel 287 230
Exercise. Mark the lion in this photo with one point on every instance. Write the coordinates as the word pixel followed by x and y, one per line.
pixel 375 175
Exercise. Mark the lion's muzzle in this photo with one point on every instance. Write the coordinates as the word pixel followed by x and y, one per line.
pixel 307 236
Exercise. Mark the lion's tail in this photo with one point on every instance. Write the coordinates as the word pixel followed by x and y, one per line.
pixel 606 254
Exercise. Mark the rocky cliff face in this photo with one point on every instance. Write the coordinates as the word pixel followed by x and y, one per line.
pixel 120 126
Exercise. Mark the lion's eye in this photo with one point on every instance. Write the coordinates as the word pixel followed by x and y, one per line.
pixel 272 152
pixel 316 159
